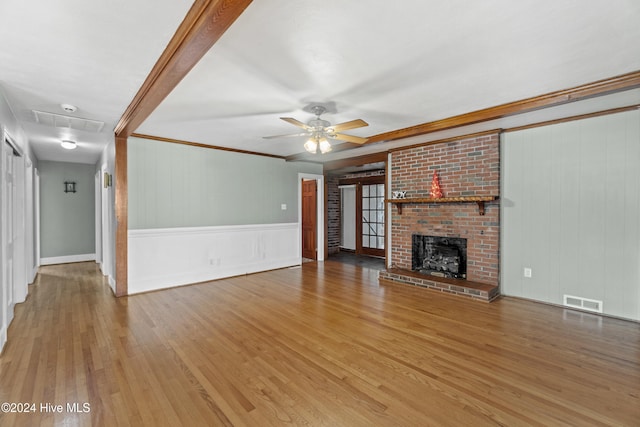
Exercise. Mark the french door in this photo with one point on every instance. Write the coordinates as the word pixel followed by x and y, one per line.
pixel 371 219
pixel 369 215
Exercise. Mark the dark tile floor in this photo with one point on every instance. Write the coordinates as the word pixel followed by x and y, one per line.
pixel 361 260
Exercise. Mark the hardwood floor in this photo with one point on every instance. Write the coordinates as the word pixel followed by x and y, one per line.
pixel 325 344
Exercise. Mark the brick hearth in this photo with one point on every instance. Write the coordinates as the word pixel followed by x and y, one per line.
pixel 467 288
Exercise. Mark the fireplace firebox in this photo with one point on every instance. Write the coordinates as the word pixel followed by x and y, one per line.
pixel 439 256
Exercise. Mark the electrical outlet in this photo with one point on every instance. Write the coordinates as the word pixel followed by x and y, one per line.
pixel 527 272
pixel 283 207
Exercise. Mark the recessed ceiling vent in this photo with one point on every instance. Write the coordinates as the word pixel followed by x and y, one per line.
pixel 67 122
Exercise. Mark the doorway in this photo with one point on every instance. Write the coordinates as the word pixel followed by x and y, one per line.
pixel 309 219
pixel 362 215
pixel 348 218
pixel 370 218
pixel 13 245
pixel 319 247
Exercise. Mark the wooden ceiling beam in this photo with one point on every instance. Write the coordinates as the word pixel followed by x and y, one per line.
pixel 202 27
pixel 354 161
pixel 598 88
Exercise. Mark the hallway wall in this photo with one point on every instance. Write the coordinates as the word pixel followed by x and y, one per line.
pixel 67 220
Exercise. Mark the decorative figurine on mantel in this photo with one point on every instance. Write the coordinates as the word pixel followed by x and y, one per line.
pixel 435 192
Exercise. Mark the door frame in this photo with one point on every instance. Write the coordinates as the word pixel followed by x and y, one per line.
pixel 360 249
pixel 320 231
pixel 358 182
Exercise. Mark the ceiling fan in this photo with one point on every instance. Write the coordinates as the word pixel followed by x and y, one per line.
pixel 320 131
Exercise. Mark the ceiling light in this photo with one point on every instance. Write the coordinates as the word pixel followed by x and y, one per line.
pixel 325 147
pixel 69 108
pixel 69 145
pixel 311 146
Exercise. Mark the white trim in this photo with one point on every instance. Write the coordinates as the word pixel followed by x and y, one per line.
pixel 67 259
pixel 181 231
pixel 36 214
pixel 98 215
pixel 320 207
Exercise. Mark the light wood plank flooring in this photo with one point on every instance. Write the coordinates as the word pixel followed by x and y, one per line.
pixel 325 344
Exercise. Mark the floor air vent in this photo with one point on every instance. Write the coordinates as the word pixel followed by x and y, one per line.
pixel 583 303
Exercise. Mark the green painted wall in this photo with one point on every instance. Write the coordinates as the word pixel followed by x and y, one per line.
pixel 571 212
pixel 175 185
pixel 67 220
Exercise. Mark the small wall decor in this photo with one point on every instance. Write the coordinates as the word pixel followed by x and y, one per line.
pixel 399 194
pixel 106 180
pixel 435 192
pixel 69 187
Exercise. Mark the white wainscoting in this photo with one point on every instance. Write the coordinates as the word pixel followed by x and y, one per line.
pixel 164 258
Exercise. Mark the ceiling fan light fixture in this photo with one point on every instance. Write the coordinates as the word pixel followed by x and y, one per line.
pixel 68 145
pixel 325 146
pixel 319 131
pixel 311 146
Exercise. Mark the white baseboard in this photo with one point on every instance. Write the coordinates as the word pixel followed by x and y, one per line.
pixel 3 338
pixel 34 273
pixel 112 284
pixel 67 259
pixel 165 258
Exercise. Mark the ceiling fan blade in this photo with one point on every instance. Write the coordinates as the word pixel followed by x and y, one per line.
pixel 295 122
pixel 286 136
pixel 358 123
pixel 349 138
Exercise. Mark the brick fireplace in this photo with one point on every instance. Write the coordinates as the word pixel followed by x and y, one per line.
pixel 466 167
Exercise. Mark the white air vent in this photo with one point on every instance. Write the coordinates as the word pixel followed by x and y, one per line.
pixel 583 303
pixel 68 122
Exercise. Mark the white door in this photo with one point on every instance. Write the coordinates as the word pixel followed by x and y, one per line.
pixel 18 201
pixel 7 234
pixel 348 217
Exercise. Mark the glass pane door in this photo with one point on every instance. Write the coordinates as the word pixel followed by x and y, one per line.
pixel 373 216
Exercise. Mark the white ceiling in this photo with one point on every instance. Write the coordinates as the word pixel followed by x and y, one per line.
pixel 393 65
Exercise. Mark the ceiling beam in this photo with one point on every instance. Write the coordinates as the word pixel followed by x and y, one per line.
pixel 598 88
pixel 204 24
pixel 355 161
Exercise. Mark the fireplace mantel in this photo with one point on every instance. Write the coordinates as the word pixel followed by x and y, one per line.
pixel 480 200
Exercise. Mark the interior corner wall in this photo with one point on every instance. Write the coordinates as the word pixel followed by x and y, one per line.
pixel 571 212
pixel 67 220
pixel 198 214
